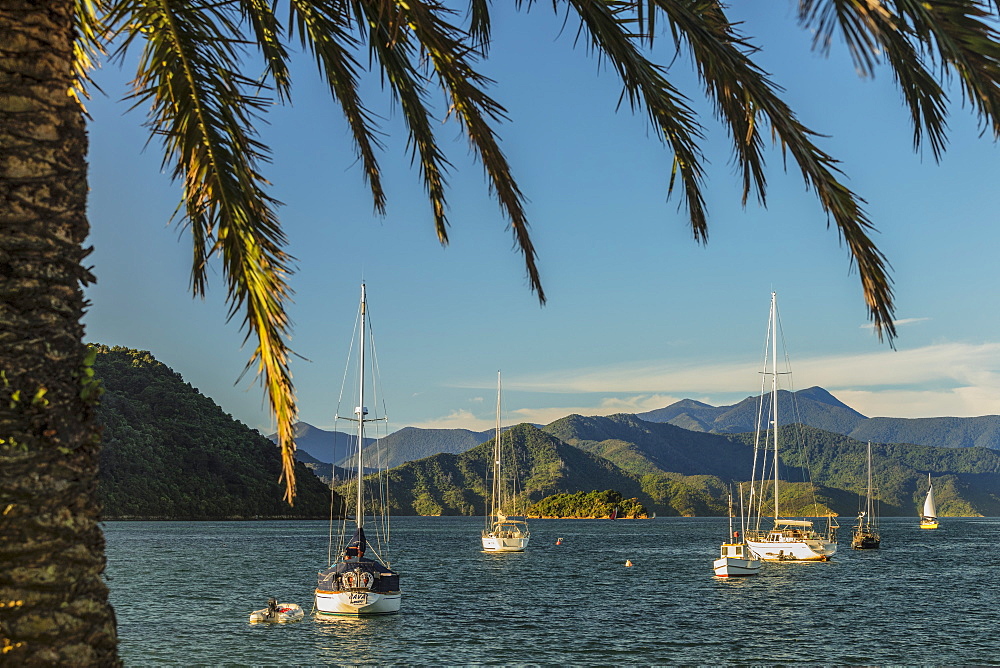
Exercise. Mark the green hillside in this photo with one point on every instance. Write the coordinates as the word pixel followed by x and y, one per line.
pixel 450 484
pixel 171 452
pixel 965 479
pixel 642 447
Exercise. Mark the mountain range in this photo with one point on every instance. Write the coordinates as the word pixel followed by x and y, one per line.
pixel 818 408
pixel 673 471
pixel 171 452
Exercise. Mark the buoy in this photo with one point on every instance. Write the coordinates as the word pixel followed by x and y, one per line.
pixel 628 563
pixel 559 541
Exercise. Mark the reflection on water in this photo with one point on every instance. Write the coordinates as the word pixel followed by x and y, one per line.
pixel 183 593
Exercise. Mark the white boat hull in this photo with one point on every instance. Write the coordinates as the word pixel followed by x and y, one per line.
pixel 504 544
pixel 793 550
pixel 726 567
pixel 357 603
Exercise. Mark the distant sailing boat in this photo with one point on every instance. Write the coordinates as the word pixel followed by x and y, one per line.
pixel 866 535
pixel 735 558
pixel 787 540
pixel 929 520
pixel 503 533
pixel 358 585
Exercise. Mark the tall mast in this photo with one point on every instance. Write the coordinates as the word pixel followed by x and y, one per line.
pixel 361 411
pixel 496 456
pixel 774 391
pixel 731 513
pixel 868 509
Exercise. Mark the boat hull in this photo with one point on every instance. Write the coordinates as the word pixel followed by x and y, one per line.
pixel 793 550
pixel 929 525
pixel 727 567
pixel 867 540
pixel 357 603
pixel 504 544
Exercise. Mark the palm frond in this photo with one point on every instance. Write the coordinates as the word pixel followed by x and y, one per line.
pixel 479 24
pixel 610 29
pixel 268 33
pixel 872 32
pixel 88 49
pixel 327 31
pixel 738 84
pixel 389 44
pixel 199 107
pixel 449 52
pixel 960 34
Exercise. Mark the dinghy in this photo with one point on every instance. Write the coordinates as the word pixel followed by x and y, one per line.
pixel 277 612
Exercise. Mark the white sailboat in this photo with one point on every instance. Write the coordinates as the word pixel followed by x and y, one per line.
pixel 503 533
pixel 929 520
pixel 866 535
pixel 787 539
pixel 354 583
pixel 735 558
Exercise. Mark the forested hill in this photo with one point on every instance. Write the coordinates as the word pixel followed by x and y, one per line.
pixel 171 452
pixel 450 484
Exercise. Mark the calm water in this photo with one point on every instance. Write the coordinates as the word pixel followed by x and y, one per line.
pixel 183 592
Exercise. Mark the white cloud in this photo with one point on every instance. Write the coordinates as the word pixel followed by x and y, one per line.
pixel 946 379
pixel 463 419
pixel 902 322
pixel 458 419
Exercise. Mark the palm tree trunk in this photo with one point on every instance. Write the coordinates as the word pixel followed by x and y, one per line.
pixel 54 606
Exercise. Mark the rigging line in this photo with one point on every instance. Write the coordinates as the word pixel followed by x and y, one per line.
pixel 756 493
pixel 381 431
pixel 798 429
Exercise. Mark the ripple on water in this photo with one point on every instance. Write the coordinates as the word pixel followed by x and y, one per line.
pixel 182 592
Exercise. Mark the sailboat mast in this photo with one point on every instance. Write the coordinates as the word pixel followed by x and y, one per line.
pixel 361 411
pixel 868 507
pixel 496 456
pixel 730 513
pixel 774 391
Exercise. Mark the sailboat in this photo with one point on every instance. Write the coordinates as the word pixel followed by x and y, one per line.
pixel 866 535
pixel 503 533
pixel 929 520
pixel 735 558
pixel 788 539
pixel 358 582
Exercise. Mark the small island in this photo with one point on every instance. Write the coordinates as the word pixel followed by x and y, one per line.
pixel 608 504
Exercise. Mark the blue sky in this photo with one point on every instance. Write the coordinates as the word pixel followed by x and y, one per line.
pixel 639 315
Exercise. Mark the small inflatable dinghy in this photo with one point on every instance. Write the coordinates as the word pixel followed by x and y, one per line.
pixel 278 612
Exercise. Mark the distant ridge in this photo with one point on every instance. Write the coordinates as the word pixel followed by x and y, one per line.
pixel 818 408
pixel 814 406
pixel 412 443
pixel 322 445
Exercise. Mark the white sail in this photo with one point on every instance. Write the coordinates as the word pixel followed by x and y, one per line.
pixel 930 510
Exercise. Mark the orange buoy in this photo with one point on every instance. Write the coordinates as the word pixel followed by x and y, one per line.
pixel 628 563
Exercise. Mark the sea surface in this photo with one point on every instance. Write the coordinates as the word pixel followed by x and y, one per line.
pixel 183 592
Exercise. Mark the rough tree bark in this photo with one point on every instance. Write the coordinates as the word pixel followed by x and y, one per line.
pixel 54 607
